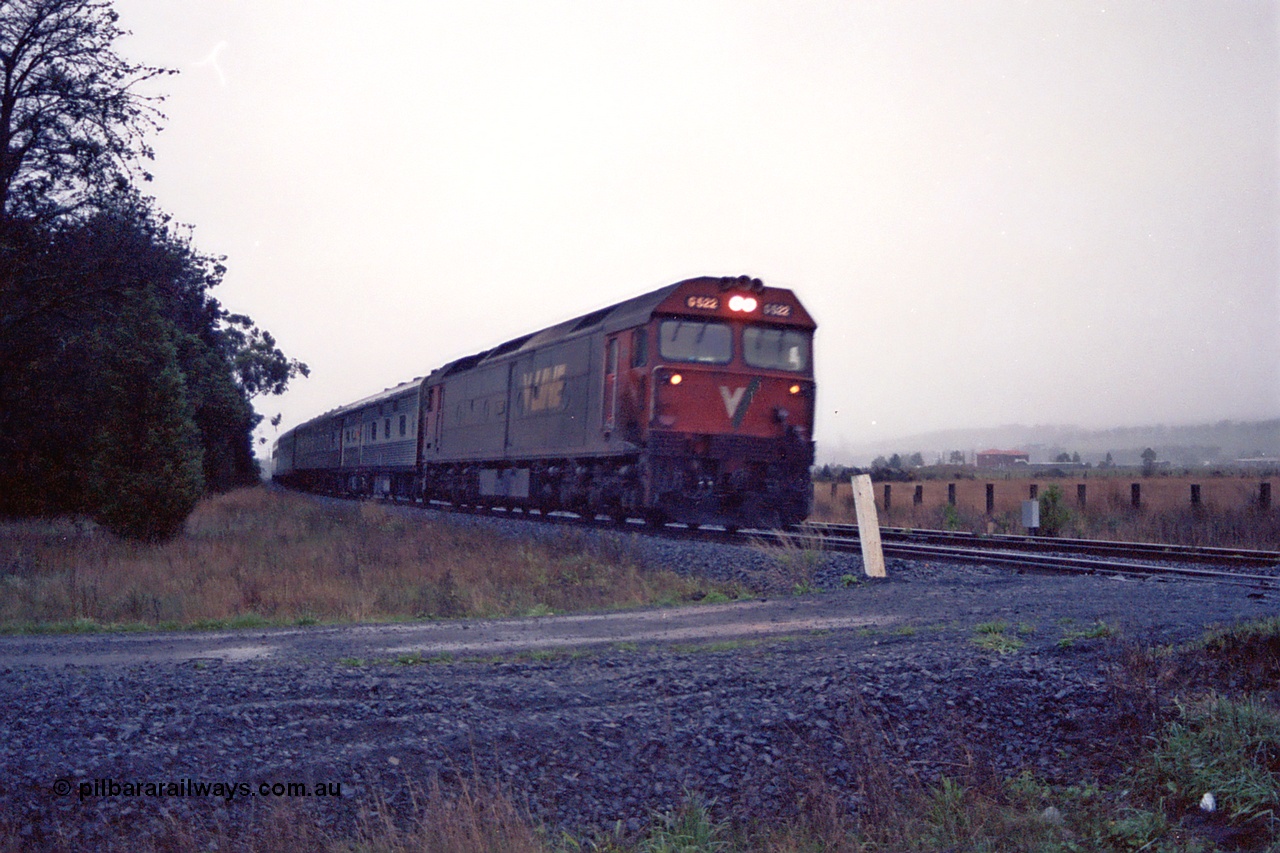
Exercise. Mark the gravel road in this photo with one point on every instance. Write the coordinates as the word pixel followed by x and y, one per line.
pixel 589 719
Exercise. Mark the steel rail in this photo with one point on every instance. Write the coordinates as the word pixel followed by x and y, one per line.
pixel 1006 550
pixel 1140 550
pixel 1009 556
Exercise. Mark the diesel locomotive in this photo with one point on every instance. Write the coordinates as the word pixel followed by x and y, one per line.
pixel 693 403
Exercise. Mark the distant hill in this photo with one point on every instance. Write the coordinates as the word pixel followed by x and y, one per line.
pixel 1194 445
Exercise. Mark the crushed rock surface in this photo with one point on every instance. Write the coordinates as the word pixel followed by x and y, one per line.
pixel 594 720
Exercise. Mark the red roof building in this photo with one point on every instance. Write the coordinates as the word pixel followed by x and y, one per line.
pixel 1002 458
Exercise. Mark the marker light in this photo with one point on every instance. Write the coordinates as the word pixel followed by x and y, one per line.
pixel 676 379
pixel 743 303
pixel 794 389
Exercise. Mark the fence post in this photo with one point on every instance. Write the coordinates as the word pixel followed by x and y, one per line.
pixel 1033 492
pixel 887 497
pixel 918 497
pixel 951 493
pixel 991 498
pixel 1264 495
pixel 1195 494
pixel 1080 499
pixel 1135 495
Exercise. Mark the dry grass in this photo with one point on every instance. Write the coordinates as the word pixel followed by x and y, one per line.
pixel 1228 514
pixel 256 556
pixel 476 818
pixel 473 817
pixel 793 562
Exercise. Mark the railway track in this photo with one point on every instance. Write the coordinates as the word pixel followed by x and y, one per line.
pixel 1240 557
pixel 1085 556
pixel 1080 556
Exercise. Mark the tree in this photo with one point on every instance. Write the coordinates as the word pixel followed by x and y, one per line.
pixel 125 387
pixel 147 460
pixel 1148 461
pixel 956 457
pixel 72 121
pixel 260 366
pixel 177 400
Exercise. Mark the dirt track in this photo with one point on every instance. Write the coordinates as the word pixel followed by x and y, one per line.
pixel 460 638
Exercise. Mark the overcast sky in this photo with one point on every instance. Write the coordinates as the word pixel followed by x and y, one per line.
pixel 998 212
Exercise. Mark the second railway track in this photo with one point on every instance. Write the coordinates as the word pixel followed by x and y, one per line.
pixel 1260 569
pixel 1204 555
pixel 1232 565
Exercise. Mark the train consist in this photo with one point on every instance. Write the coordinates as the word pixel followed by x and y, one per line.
pixel 693 403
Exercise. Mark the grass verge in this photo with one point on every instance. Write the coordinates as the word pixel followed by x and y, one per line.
pixel 258 557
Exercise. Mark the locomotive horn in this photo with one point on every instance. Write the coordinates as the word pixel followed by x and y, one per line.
pixel 745 282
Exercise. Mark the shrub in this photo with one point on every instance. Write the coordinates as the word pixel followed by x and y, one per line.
pixel 1054 513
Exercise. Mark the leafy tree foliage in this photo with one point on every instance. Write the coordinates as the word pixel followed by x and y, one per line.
pixel 108 325
pixel 72 122
pixel 146 465
pixel 125 387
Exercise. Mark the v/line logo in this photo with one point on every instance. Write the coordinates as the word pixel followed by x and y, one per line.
pixel 737 401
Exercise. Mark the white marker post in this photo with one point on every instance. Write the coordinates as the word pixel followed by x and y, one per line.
pixel 864 501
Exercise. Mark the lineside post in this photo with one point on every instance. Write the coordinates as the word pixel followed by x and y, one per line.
pixel 864 503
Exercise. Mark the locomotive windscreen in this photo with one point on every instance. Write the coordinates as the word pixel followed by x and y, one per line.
pixel 690 340
pixel 775 349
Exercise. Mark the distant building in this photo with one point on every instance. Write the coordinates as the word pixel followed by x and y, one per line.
pixel 1262 462
pixel 1002 458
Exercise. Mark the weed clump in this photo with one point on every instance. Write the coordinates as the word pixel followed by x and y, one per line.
pixel 795 561
pixel 1220 761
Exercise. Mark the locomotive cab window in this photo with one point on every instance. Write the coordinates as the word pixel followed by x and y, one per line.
pixel 775 349
pixel 690 340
